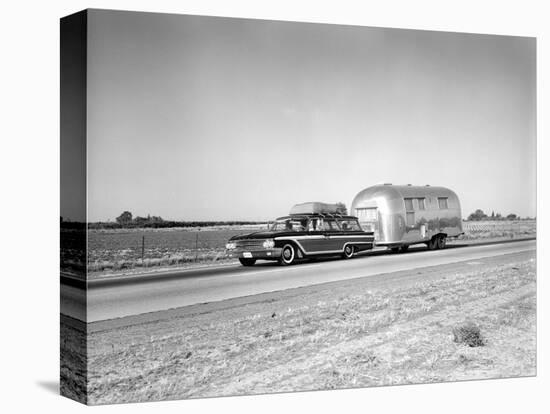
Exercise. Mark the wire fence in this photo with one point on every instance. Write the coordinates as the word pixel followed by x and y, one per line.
pixel 115 250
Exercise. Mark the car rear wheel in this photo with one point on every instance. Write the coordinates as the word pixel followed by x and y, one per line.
pixel 287 255
pixel 404 248
pixel 432 244
pixel 247 262
pixel 349 251
pixel 441 242
pixel 395 249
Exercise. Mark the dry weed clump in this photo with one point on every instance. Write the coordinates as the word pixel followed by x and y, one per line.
pixel 468 334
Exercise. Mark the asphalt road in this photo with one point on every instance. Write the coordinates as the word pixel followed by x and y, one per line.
pixel 120 297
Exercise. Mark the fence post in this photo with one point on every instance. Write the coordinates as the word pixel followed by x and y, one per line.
pixel 197 247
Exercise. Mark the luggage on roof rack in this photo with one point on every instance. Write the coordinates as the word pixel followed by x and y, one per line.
pixel 316 207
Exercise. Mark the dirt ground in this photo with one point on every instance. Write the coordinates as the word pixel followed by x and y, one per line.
pixel 389 329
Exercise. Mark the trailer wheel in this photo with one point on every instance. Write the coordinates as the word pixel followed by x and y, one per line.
pixel 394 249
pixel 349 251
pixel 432 244
pixel 247 262
pixel 441 242
pixel 287 255
pixel 404 248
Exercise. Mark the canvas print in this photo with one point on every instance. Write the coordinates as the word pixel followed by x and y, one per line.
pixel 253 206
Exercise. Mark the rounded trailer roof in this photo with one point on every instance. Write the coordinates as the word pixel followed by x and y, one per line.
pixel 390 191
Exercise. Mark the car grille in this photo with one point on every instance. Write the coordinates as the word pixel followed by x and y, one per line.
pixel 249 244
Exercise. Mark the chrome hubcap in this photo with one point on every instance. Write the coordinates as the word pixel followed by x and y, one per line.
pixel 287 254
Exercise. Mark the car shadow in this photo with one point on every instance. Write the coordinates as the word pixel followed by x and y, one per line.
pixel 363 255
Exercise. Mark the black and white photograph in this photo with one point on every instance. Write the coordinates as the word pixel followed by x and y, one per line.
pixel 276 206
pixel 256 206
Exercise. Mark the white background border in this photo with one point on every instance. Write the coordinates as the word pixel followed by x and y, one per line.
pixel 30 202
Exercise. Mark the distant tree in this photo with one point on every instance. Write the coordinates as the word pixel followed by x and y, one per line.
pixel 512 216
pixel 140 221
pixel 498 216
pixel 477 215
pixel 493 214
pixel 124 219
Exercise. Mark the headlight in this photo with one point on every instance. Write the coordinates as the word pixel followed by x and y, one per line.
pixel 269 244
pixel 230 245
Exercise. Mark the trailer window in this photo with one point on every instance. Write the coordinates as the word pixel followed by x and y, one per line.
pixel 443 204
pixel 409 211
pixel 422 204
pixel 366 214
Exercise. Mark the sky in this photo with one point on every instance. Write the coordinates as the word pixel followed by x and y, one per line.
pixel 204 118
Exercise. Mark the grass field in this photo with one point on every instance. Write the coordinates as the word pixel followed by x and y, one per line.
pixel 498 229
pixel 470 320
pixel 122 249
pixel 115 251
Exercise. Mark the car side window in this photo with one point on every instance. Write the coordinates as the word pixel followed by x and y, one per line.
pixel 330 225
pixel 314 225
pixel 349 225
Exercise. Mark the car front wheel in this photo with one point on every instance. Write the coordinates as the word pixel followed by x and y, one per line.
pixel 287 255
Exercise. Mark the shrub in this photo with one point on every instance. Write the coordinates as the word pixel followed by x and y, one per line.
pixel 468 334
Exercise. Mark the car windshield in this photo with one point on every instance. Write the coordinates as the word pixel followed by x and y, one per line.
pixel 289 225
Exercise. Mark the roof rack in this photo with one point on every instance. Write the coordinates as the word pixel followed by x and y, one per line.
pixel 322 215
pixel 332 215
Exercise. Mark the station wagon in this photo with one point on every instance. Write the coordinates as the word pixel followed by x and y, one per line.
pixel 302 236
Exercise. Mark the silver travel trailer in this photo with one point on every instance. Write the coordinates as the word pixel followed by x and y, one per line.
pixel 403 215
